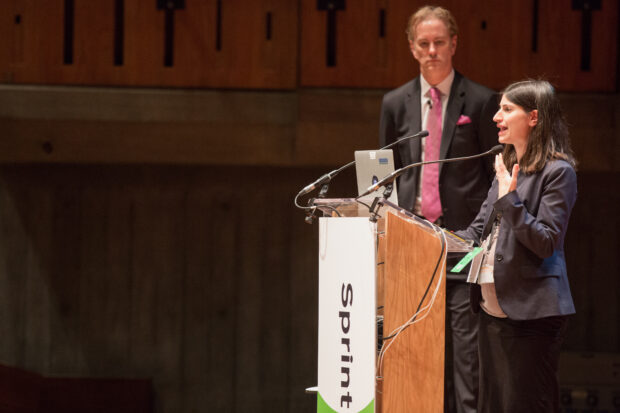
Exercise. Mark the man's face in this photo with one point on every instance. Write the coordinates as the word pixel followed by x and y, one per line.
pixel 433 48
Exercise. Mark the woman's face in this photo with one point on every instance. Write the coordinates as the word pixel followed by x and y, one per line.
pixel 515 124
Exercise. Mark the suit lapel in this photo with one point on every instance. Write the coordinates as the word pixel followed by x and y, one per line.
pixel 453 111
pixel 410 153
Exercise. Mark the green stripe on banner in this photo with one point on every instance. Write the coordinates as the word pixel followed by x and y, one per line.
pixel 370 408
pixel 323 407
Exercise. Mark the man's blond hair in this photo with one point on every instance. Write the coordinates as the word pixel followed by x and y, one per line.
pixel 427 12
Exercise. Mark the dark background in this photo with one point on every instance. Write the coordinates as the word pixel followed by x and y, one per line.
pixel 147 225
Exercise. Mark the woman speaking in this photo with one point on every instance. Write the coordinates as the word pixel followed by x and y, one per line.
pixel 521 288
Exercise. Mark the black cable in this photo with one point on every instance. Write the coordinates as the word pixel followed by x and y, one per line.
pixel 428 287
pixel 332 208
pixel 360 202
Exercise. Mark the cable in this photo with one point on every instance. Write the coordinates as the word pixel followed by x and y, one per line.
pixel 443 247
pixel 420 310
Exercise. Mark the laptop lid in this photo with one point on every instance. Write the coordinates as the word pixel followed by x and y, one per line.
pixel 372 166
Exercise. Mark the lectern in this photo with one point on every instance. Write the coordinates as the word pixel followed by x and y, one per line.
pixel 381 263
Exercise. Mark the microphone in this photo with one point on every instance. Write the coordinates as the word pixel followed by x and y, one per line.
pixel 391 177
pixel 421 134
pixel 328 176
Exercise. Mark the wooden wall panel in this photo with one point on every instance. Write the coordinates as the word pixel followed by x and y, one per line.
pixel 35 49
pixel 276 325
pixel 14 242
pixel 168 273
pixel 222 302
pixel 362 57
pixel 592 245
pixel 12 33
pixel 87 125
pixel 302 370
pixel 93 61
pixel 248 58
pixel 157 289
pixel 197 334
pixel 65 280
pixel 106 249
pixel 204 279
pixel 144 43
pixel 36 227
pixel 244 56
pixel 560 48
pixel 495 44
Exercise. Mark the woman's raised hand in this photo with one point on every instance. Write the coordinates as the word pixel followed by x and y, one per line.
pixel 507 182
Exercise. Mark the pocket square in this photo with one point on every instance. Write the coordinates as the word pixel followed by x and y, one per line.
pixel 463 120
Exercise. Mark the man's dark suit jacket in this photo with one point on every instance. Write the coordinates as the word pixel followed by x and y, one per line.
pixel 462 185
pixel 529 264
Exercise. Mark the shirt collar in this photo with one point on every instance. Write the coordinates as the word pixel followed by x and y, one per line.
pixel 443 86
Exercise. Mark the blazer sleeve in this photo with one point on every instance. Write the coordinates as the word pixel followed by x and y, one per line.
pixel 544 232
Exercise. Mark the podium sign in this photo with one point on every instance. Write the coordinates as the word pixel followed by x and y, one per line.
pixel 347 315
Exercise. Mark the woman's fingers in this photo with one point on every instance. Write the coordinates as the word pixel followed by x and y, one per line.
pixel 513 180
pixel 499 164
pixel 507 182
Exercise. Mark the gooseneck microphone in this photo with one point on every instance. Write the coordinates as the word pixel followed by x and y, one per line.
pixel 391 177
pixel 330 175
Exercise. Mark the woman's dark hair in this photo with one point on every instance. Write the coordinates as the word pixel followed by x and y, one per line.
pixel 549 138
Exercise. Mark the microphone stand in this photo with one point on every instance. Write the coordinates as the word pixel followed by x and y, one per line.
pixel 325 186
pixel 374 213
pixel 389 179
pixel 324 180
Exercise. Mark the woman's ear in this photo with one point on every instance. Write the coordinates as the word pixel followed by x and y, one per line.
pixel 533 121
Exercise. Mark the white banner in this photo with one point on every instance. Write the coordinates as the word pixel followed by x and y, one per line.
pixel 347 315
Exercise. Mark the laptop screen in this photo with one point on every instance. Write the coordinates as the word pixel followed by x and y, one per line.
pixel 372 166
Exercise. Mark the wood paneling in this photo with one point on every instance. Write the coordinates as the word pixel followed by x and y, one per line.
pixel 120 126
pixel 204 279
pixel 309 127
pixel 363 57
pixel 414 281
pixel 248 57
pixel 255 44
pixel 192 277
pixel 495 44
pixel 560 47
pixel 592 246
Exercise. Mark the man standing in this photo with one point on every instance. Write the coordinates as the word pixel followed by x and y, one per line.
pixel 458 114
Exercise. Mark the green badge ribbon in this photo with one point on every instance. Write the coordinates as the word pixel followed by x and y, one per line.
pixel 466 259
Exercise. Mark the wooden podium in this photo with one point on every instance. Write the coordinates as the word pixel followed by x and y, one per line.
pixel 410 255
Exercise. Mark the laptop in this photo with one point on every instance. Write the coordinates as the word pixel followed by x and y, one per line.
pixel 371 167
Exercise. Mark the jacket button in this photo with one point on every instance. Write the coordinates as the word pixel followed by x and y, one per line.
pixel 499 257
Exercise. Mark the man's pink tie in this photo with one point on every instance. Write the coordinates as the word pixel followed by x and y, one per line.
pixel 431 204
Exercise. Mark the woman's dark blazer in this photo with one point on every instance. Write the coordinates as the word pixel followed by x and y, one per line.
pixel 529 267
